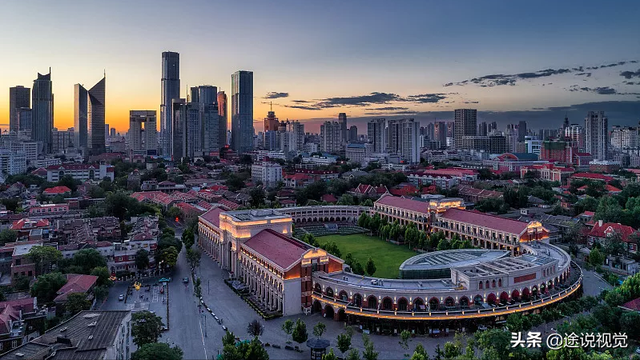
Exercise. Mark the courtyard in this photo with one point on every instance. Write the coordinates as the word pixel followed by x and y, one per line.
pixel 386 256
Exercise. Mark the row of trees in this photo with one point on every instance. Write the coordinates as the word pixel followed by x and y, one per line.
pixel 146 330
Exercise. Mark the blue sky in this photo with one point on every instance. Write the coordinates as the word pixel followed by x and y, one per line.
pixel 328 55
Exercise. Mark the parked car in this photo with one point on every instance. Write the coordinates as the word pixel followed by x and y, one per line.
pixel 185 280
pixel 121 297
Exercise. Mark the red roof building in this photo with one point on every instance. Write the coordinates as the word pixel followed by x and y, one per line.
pixel 591 176
pixel 633 305
pixel 57 190
pixel 369 190
pixel 601 231
pixel 328 198
pixel 76 283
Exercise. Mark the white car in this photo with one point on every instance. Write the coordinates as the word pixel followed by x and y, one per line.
pixel 121 297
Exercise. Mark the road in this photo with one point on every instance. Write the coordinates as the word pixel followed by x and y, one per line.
pixel 593 284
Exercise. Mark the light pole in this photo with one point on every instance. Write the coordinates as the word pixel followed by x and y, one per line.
pixel 205 324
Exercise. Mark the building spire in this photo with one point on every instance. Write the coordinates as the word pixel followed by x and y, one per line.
pixel 270 105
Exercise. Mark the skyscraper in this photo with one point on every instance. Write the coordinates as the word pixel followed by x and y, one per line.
pixel 242 111
pixel 596 127
pixel 19 98
pixel 482 129
pixel 342 119
pixel 89 116
pixel 377 134
pixel 465 125
pixel 143 132
pixel 42 111
pixel 271 122
pixel 222 111
pixel 522 130
pixel 403 139
pixel 170 88
pixel 440 133
pixel 179 129
pixel 353 133
pixel 331 136
pixel 297 136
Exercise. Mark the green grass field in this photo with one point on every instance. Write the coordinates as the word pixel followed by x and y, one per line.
pixel 386 256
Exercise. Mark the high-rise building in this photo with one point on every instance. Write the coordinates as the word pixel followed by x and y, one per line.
pixel 403 139
pixel 492 127
pixel 522 130
pixel 331 137
pixel 213 133
pixel 42 111
pixel 106 132
pixel 89 116
pixel 25 120
pixel 205 132
pixel 170 88
pixel 143 132
pixel 222 111
pixel 440 133
pixel 575 134
pixel 465 125
pixel 179 129
pixel 624 137
pixel 377 134
pixel 353 133
pixel 482 129
pixel 19 98
pixel 195 130
pixel 61 140
pixel 112 132
pixel 342 119
pixel 429 131
pixel 80 109
pixel 297 140
pixel 242 111
pixel 596 127
pixel 271 122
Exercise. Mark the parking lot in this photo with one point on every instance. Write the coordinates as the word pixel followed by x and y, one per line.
pixel 149 298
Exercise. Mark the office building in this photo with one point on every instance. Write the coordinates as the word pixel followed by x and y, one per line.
pixel 596 127
pixel 377 135
pixel 522 130
pixel 170 88
pixel 179 129
pixel 222 111
pixel 80 109
pixel 342 119
pixel 242 111
pixel 61 140
pixel 12 163
pixel 624 137
pixel 143 132
pixel 25 121
pixel 353 133
pixel 89 118
pixel 533 145
pixel 331 137
pixel 269 174
pixel 271 122
pixel 465 125
pixel 19 98
pixel 440 133
pixel 403 139
pixel 204 122
pixel 482 129
pixel 112 132
pixel 194 131
pixel 297 136
pixel 42 111
pixel 576 135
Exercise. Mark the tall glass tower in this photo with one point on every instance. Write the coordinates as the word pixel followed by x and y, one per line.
pixel 242 111
pixel 42 111
pixel 170 90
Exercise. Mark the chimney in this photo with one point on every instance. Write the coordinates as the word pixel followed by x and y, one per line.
pixel 600 222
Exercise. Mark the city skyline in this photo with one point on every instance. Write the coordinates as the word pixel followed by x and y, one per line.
pixel 541 68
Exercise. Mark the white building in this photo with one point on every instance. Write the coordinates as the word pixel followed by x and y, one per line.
pixel 270 174
pixel 377 135
pixel 596 135
pixel 80 172
pixel 331 137
pixel 403 139
pixel 12 163
pixel 358 153
pixel 533 145
pixel 624 137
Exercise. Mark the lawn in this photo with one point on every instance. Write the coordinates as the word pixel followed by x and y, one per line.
pixel 386 256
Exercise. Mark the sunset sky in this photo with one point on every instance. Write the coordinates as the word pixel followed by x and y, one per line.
pixel 316 59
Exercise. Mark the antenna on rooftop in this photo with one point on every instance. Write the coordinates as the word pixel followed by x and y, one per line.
pixel 270 105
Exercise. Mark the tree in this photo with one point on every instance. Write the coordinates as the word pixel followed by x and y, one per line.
pixel 157 351
pixel 7 236
pixel 287 327
pixel 357 268
pixel 103 276
pixel 146 327
pixel 255 328
pixel 630 324
pixel 142 259
pixel 101 292
pixel 44 257
pixel 257 196
pixel 87 259
pixel 228 338
pixel 330 355
pixel 193 257
pixel 420 353
pixel 370 267
pixel 369 352
pixel 47 286
pixel 21 282
pixel 77 302
pixel 344 342
pixel 515 322
pixel 319 329
pixel 170 256
pixel 299 333
pixel 405 335
pixel 69 181
pixel 364 220
pixel 353 354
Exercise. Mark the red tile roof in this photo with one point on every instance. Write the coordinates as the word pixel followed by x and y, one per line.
pixel 403 203
pixel 279 249
pixel 213 216
pixel 39 172
pixel 329 198
pixel 229 204
pixel 56 190
pixel 612 189
pixel 75 284
pixel 592 176
pixel 26 223
pixel 485 220
pixel 601 231
pixel 633 304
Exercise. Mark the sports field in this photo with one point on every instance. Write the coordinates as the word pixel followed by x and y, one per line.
pixel 386 256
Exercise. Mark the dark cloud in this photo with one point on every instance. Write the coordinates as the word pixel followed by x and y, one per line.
pixel 276 95
pixel 426 98
pixel 631 83
pixel 388 113
pixel 363 100
pixel 630 74
pixel 302 107
pixel 390 108
pixel 602 90
pixel 301 101
pixel 472 102
pixel 512 79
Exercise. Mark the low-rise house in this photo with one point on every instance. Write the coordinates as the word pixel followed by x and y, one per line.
pixel 601 231
pixel 76 284
pixel 365 190
pixel 14 316
pixel 48 210
pixel 469 193
pixel 57 190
